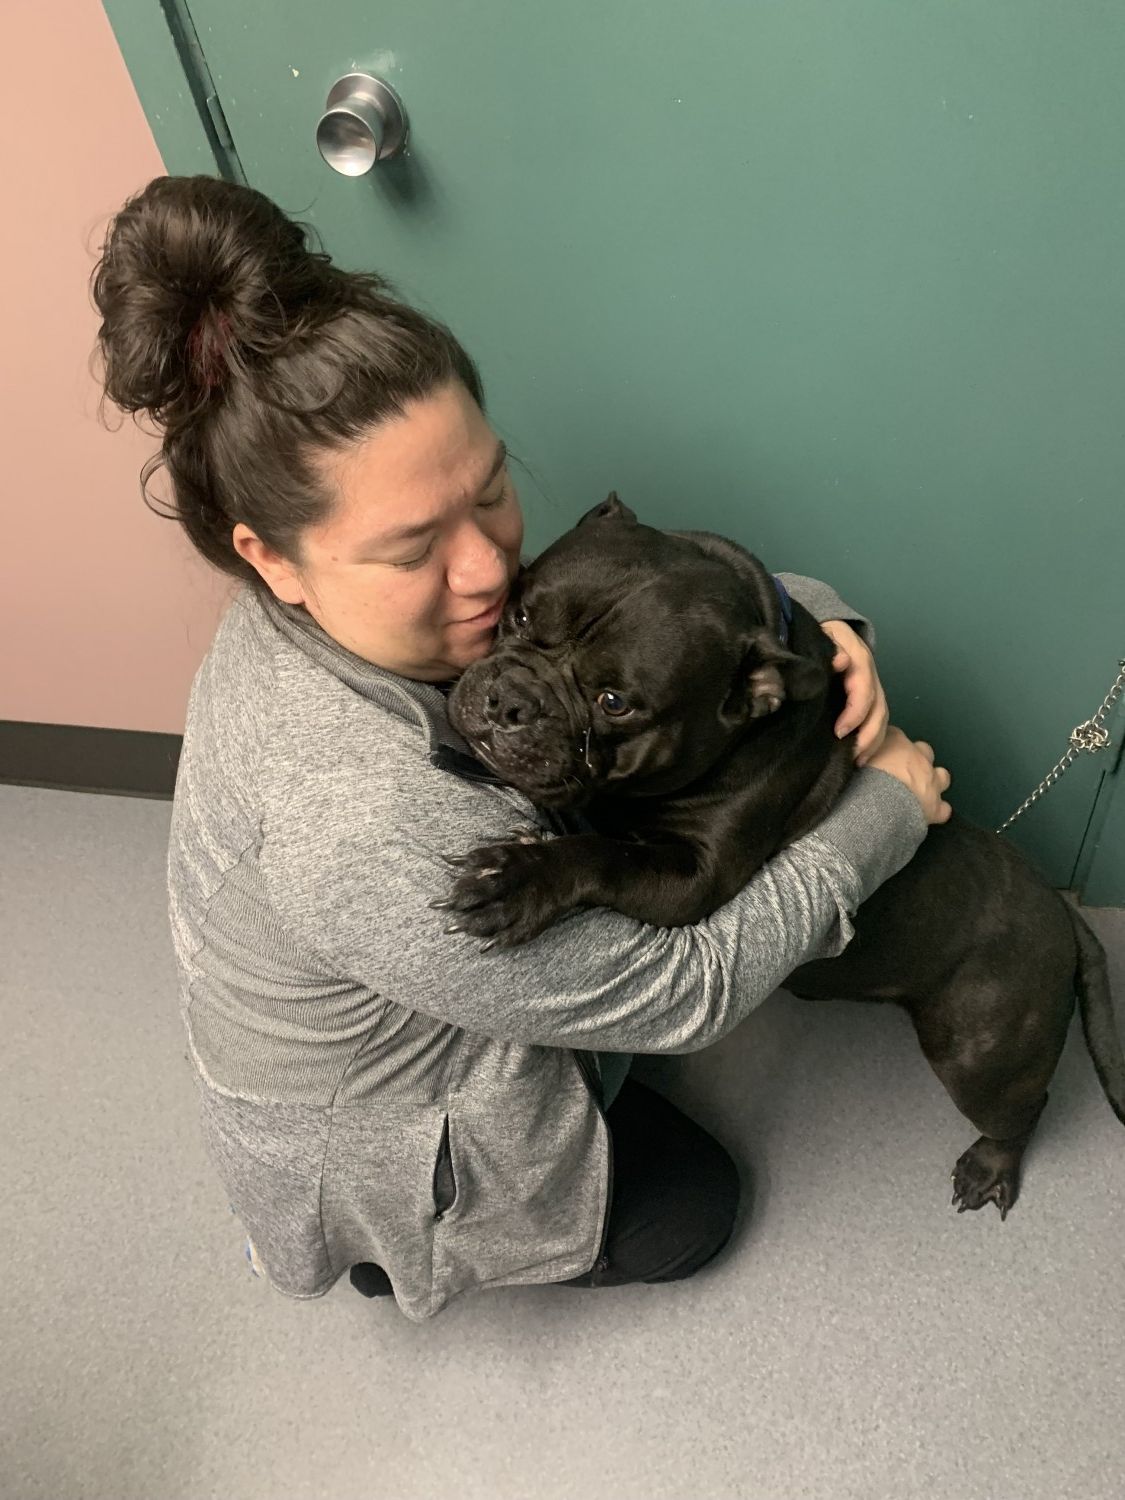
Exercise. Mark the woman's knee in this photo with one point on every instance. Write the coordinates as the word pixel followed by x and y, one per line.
pixel 708 1217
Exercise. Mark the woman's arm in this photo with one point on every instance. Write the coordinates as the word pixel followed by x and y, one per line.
pixel 356 853
pixel 854 639
pixel 824 603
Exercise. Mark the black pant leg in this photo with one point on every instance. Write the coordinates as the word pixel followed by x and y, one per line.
pixel 675 1193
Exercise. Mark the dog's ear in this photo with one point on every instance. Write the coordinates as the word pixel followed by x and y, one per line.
pixel 769 674
pixel 611 509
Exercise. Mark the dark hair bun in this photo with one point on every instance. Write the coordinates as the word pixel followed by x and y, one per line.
pixel 253 353
pixel 198 277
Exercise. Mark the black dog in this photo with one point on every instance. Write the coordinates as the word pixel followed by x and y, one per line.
pixel 659 682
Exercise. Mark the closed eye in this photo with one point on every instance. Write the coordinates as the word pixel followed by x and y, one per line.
pixel 414 562
pixel 497 500
pixel 494 502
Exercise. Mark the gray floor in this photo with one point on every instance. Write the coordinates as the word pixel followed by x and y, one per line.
pixel 861 1340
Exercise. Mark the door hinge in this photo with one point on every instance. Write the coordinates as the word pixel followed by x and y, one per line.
pixel 203 90
pixel 219 121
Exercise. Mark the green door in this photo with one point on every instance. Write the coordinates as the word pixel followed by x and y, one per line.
pixel 844 281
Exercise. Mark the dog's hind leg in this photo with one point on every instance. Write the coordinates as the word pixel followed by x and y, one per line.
pixel 995 1057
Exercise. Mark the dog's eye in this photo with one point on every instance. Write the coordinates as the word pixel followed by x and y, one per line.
pixel 520 617
pixel 613 704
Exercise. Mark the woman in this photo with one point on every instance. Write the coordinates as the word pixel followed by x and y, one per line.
pixel 379 1096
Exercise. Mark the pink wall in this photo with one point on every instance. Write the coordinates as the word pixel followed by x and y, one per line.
pixel 105 613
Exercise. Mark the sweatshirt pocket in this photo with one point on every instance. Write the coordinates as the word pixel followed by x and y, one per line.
pixel 445 1184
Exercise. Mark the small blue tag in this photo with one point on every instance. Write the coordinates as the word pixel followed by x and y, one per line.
pixel 786 609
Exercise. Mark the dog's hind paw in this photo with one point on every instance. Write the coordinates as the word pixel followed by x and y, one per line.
pixel 988 1172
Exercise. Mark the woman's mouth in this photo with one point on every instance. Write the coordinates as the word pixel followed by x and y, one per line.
pixel 487 617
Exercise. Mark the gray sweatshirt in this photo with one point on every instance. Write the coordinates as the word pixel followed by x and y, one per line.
pixel 374 1089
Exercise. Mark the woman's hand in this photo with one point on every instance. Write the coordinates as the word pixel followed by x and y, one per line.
pixel 912 763
pixel 866 708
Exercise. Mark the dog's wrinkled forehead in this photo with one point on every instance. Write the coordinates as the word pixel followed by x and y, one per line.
pixel 632 610
pixel 598 580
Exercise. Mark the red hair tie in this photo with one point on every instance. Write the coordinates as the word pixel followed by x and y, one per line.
pixel 207 347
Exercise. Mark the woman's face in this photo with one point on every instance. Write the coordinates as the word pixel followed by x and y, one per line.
pixel 412 567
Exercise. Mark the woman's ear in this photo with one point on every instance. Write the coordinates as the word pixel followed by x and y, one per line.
pixel 275 570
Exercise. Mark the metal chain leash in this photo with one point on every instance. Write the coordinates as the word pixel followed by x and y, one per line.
pixel 1088 737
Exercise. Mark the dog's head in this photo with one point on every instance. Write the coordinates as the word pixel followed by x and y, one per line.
pixel 627 661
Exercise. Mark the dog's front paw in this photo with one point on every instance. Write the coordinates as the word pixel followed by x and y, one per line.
pixel 508 892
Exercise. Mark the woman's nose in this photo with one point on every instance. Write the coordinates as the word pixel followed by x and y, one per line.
pixel 478 566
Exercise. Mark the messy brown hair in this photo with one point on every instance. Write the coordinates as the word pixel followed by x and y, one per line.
pixel 254 356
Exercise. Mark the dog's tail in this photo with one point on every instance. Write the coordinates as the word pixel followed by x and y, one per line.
pixel 1095 1005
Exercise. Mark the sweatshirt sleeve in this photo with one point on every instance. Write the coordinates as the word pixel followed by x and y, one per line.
pixel 823 603
pixel 355 853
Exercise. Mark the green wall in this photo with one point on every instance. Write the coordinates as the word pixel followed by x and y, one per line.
pixel 842 280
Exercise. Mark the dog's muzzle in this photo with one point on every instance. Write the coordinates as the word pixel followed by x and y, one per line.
pixel 525 725
pixel 513 700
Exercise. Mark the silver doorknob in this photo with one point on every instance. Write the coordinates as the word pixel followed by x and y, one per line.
pixel 363 122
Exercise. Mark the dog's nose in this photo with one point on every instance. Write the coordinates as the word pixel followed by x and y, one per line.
pixel 511 705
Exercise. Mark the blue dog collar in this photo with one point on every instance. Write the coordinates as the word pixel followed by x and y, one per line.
pixel 786 609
